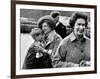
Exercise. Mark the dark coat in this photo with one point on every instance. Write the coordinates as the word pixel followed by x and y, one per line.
pixel 31 62
pixel 61 30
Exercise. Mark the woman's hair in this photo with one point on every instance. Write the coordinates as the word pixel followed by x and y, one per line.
pixel 47 19
pixel 76 16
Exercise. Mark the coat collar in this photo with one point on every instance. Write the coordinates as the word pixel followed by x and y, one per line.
pixel 57 23
pixel 50 37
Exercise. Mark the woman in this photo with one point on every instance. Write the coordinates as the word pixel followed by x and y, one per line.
pixel 74 50
pixel 51 38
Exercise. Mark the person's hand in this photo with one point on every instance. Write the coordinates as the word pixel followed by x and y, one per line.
pixel 84 63
pixel 36 48
pixel 88 63
pixel 41 49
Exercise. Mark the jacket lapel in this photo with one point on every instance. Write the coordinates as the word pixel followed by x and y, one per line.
pixel 50 38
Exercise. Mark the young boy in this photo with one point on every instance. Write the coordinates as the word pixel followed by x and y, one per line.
pixel 35 58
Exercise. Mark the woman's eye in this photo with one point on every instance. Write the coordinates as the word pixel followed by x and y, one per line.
pixel 79 24
pixel 83 24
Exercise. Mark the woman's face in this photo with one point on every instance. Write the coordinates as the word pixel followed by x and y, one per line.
pixel 79 26
pixel 46 28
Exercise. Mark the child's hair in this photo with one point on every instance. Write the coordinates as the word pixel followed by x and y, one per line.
pixel 35 32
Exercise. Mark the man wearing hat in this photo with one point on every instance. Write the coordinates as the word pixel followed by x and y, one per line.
pixel 60 28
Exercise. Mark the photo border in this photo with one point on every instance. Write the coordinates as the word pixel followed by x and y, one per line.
pixel 13 38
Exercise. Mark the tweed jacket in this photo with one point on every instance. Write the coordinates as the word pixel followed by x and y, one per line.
pixel 72 50
pixel 52 42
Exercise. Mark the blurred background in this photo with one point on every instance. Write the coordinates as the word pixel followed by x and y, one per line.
pixel 29 18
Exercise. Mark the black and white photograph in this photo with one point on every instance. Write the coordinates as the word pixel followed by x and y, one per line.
pixel 42 31
pixel 55 39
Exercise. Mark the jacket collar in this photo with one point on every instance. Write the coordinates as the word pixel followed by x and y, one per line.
pixel 50 37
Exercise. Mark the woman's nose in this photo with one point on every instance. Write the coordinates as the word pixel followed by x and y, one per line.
pixel 81 27
pixel 43 28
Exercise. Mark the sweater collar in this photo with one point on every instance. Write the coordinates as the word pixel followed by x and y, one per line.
pixel 73 37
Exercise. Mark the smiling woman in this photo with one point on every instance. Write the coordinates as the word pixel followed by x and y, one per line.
pixel 74 48
pixel 52 39
pixel 79 27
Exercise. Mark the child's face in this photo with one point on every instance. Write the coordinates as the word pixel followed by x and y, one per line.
pixel 38 37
